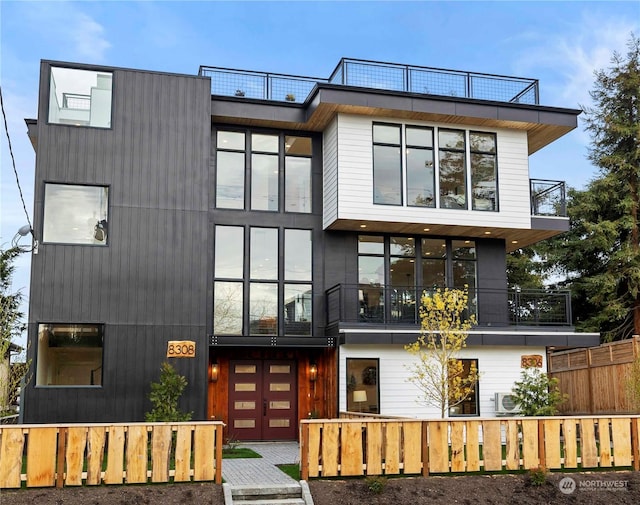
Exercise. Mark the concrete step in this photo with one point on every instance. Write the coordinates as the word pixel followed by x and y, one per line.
pixel 280 494
pixel 275 501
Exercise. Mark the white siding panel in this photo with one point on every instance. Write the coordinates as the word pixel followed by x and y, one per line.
pixel 499 368
pixel 355 180
pixel 330 173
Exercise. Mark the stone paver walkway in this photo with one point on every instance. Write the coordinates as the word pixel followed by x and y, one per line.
pixel 251 471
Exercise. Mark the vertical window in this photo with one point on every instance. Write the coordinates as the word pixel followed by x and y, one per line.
pixel 297 297
pixel 80 97
pixel 263 263
pixel 363 385
pixel 263 308
pixel 484 170
pixel 434 263
pixel 227 297
pixel 420 167
pixel 402 266
pixel 452 169
pixel 265 174
pixel 387 165
pixel 230 162
pixel 69 355
pixel 371 277
pixel 75 214
pixel 464 269
pixel 469 406
pixel 297 174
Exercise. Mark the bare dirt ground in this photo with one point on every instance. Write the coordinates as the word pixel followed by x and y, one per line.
pixel 623 488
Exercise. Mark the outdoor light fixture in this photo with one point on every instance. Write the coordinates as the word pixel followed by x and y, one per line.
pixel 313 372
pixel 23 232
pixel 213 372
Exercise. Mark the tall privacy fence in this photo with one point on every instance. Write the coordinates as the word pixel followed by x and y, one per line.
pixel 94 454
pixel 594 379
pixel 353 447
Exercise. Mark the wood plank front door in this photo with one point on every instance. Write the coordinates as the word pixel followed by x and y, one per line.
pixel 263 400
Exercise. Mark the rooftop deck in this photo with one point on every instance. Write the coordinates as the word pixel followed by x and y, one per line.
pixel 375 75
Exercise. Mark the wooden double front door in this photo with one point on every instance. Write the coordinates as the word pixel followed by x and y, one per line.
pixel 263 400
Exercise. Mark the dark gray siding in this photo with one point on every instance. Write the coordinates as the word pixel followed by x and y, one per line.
pixel 150 284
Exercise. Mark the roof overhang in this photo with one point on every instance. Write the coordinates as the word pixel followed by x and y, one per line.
pixel 542 124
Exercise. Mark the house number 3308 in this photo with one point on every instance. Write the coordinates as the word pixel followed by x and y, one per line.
pixel 181 349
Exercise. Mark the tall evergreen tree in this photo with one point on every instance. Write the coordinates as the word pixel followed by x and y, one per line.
pixel 600 255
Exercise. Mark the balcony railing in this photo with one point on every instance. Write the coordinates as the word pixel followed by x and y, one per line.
pixel 376 75
pixel 377 304
pixel 548 198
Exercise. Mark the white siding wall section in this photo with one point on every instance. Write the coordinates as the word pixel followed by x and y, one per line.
pixel 330 173
pixel 499 367
pixel 355 179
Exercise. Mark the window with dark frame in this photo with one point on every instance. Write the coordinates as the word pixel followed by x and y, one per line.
pixel 363 385
pixel 230 170
pixel 452 170
pixel 75 214
pixel 387 164
pixel 421 184
pixel 470 406
pixel 484 171
pixel 69 354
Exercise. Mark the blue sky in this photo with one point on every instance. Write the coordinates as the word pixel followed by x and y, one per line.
pixel 559 43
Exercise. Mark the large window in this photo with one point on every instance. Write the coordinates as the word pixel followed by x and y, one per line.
pixel 363 385
pixel 274 286
pixel 440 167
pixel 468 407
pixel 393 271
pixel 69 355
pixel 75 214
pixel 387 165
pixel 80 97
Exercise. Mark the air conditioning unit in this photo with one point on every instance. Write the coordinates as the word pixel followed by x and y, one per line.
pixel 506 404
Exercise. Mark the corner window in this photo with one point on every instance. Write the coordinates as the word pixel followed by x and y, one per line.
pixel 468 406
pixel 80 97
pixel 69 355
pixel 363 386
pixel 387 165
pixel 75 214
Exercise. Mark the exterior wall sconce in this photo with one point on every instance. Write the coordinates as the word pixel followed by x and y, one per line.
pixel 313 372
pixel 213 372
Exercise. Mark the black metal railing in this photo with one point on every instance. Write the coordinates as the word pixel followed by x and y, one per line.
pixel 378 304
pixel 376 75
pixel 548 198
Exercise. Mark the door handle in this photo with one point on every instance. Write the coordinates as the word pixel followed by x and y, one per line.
pixel 264 407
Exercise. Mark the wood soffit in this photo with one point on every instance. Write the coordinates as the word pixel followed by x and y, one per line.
pixel 543 125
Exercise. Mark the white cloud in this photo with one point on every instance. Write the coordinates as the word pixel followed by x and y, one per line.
pixel 69 31
pixel 572 55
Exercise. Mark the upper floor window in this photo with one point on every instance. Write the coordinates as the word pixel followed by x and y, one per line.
pixel 230 170
pixel 261 179
pixel 387 164
pixel 69 355
pixel 80 97
pixel 438 173
pixel 484 170
pixel 75 214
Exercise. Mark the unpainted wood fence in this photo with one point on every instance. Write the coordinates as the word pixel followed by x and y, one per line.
pixel 354 447
pixel 594 378
pixel 94 454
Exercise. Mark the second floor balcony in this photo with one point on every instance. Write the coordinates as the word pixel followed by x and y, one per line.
pixel 373 304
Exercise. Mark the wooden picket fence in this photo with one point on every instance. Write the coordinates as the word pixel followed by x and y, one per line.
pixel 94 454
pixel 353 447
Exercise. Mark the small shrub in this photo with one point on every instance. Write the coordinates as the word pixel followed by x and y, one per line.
pixel 165 395
pixel 538 476
pixel 376 484
pixel 232 443
pixel 537 394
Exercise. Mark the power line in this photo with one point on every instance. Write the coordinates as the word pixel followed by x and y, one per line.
pixel 13 161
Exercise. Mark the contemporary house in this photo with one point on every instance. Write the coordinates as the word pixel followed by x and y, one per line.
pixel 271 235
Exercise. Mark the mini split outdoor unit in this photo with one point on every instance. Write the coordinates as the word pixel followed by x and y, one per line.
pixel 506 404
